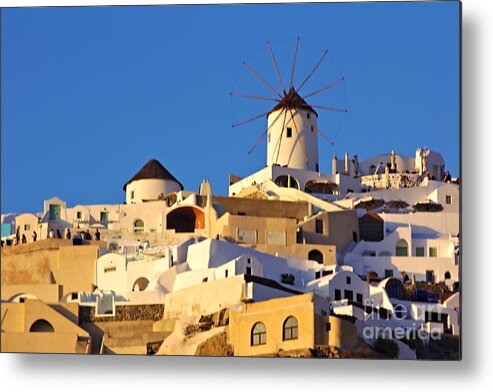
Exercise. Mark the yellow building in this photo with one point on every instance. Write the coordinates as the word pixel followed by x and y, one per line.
pixel 288 324
pixel 34 326
pixel 293 325
pixel 49 268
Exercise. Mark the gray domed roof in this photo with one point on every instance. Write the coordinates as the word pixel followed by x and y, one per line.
pixel 153 170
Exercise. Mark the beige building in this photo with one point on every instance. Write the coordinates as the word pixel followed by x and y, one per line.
pixel 34 326
pixel 51 269
pixel 293 324
pixel 285 227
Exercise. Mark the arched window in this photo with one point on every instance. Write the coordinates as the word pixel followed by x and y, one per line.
pixel 259 334
pixel 316 255
pixel 140 284
pixel 290 329
pixel 287 182
pixel 447 275
pixel 401 248
pixel 138 225
pixel 321 186
pixel 41 325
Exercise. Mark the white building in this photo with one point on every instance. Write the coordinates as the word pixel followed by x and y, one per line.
pixel 430 258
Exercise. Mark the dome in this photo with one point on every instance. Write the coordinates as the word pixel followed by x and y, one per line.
pixel 153 170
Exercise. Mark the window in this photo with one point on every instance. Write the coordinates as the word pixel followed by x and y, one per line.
pixel 290 329
pixel 138 225
pixel 317 274
pixel 258 335
pixel 289 132
pixel 268 136
pixel 79 214
pixel 359 298
pixel 27 227
pixel 276 238
pixel 447 275
pixel 226 273
pixel 348 280
pixel 248 270
pixel 132 194
pixel 430 277
pixel 319 226
pixel 348 294
pixel 401 248
pixel 337 294
pixel 389 273
pixel 420 251
pixel 311 128
pixel 41 325
pixel 307 114
pixel 448 199
pixel 248 236
pixel 205 280
pixel 371 253
pixel 355 236
pixel 104 216
pixel 317 168
pixel 55 212
pixel 433 252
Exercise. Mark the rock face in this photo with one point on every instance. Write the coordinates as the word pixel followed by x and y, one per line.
pixel 215 346
pixel 125 313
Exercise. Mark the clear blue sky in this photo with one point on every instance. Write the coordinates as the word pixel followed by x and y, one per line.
pixel 89 95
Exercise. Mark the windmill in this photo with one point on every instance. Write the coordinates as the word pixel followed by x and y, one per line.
pixel 292 122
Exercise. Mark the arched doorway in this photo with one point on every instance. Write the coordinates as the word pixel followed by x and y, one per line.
pixel 185 220
pixel 401 248
pixel 316 255
pixel 140 284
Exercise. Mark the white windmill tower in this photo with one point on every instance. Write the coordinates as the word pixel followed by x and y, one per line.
pixel 292 124
pixel 292 140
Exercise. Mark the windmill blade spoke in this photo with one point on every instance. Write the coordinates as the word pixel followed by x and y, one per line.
pixel 251 119
pixel 324 88
pixel 298 138
pixel 309 122
pixel 253 97
pixel 280 137
pixel 256 74
pixel 313 70
pixel 294 63
pixel 329 108
pixel 265 133
pixel 275 66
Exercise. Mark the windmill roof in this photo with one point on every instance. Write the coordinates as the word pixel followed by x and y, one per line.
pixel 153 170
pixel 294 101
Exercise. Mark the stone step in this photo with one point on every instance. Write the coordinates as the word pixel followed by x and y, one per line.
pixel 136 340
